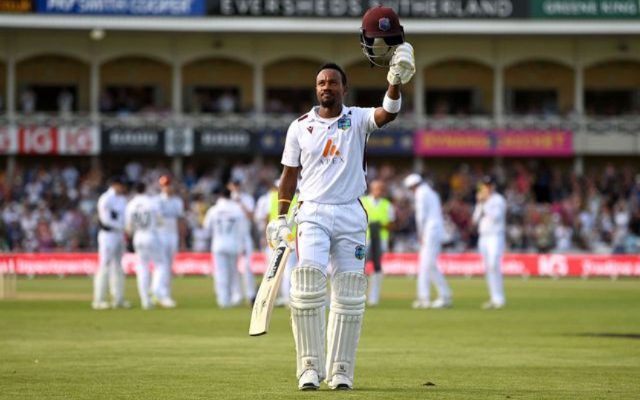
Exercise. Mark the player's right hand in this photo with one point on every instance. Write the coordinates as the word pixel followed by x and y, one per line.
pixel 277 231
pixel 402 66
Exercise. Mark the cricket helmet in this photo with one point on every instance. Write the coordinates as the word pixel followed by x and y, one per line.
pixel 380 34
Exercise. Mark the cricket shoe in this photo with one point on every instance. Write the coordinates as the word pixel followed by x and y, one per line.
pixel 309 380
pixel 421 304
pixel 122 304
pixel 490 305
pixel 167 302
pixel 442 303
pixel 100 305
pixel 340 382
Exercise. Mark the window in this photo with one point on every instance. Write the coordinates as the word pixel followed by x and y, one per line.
pixel 210 99
pixel 293 100
pixel 612 102
pixel 453 101
pixel 48 98
pixel 532 101
pixel 129 99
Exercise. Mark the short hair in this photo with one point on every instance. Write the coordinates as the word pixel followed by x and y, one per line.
pixel 337 68
pixel 140 187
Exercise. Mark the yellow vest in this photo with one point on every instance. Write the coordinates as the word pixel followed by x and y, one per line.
pixel 378 213
pixel 273 214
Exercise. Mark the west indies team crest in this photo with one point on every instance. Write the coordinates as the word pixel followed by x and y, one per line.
pixel 384 24
pixel 344 122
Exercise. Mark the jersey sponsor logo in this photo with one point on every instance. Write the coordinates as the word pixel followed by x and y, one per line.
pixel 360 253
pixel 330 149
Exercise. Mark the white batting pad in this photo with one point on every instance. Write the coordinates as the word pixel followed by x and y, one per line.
pixel 308 289
pixel 345 320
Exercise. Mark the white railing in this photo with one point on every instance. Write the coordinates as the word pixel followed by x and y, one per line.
pixel 629 124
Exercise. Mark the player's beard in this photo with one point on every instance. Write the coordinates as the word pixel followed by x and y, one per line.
pixel 328 101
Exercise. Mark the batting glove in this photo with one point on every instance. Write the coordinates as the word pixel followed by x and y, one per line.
pixel 402 66
pixel 277 231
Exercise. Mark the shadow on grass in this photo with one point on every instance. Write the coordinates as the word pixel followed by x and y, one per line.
pixel 611 335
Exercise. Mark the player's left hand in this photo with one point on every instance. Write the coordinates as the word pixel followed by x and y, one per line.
pixel 402 66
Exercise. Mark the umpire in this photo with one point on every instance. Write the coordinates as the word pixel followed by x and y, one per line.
pixel 381 217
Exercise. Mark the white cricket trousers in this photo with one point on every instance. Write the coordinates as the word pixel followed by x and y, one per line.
pixel 148 249
pixel 110 274
pixel 225 278
pixel 162 276
pixel 428 271
pixel 332 232
pixel 245 285
pixel 491 249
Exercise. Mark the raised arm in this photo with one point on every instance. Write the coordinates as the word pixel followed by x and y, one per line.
pixel 401 71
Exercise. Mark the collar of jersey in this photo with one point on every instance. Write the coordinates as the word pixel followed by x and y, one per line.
pixel 313 115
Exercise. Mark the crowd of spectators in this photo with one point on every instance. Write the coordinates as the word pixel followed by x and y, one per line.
pixel 52 206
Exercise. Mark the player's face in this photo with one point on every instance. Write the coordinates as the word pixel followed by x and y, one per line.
pixel 377 189
pixel 329 88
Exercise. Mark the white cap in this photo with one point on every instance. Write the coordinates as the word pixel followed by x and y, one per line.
pixel 412 180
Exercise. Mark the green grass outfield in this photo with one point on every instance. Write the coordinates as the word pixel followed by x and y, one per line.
pixel 555 340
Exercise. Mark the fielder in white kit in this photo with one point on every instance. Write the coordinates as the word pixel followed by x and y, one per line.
pixel 226 223
pixel 172 209
pixel 248 205
pixel 490 216
pixel 111 246
pixel 430 226
pixel 326 148
pixel 142 223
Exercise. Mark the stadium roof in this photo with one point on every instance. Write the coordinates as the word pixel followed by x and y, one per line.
pixel 315 25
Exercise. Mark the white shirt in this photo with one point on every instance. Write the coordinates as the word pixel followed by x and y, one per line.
pixel 491 215
pixel 143 214
pixel 331 153
pixel 428 210
pixel 172 208
pixel 111 210
pixel 227 224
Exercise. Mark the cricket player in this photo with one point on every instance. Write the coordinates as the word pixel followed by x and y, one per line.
pixel 111 246
pixel 247 204
pixel 326 148
pixel 381 217
pixel 490 216
pixel 172 209
pixel 227 225
pixel 430 226
pixel 142 223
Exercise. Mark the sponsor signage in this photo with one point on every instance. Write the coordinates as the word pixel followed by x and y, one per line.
pixel 585 9
pixel 8 140
pixel 466 264
pixel 272 142
pixel 122 7
pixel 62 140
pixel 223 141
pixel 390 142
pixel 133 140
pixel 15 6
pixel 178 141
pixel 451 9
pixel 482 143
pixel 382 142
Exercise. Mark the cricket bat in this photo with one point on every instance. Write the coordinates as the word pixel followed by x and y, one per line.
pixel 268 291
